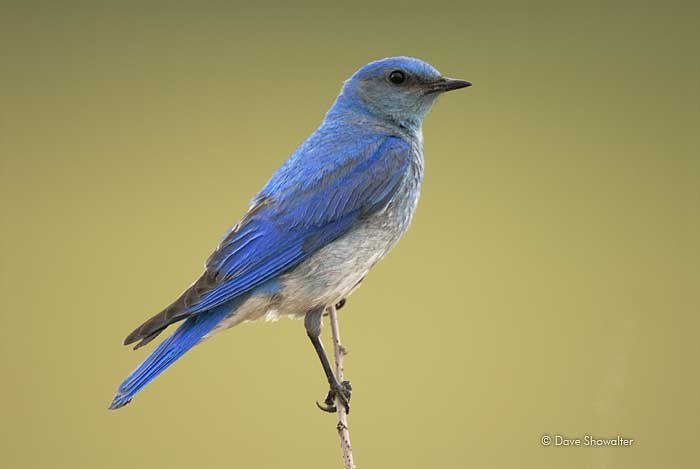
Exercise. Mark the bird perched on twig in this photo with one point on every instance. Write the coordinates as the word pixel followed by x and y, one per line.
pixel 334 209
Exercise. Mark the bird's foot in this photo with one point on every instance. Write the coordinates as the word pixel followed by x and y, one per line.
pixel 341 391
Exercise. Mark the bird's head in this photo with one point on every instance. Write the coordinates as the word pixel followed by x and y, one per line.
pixel 398 89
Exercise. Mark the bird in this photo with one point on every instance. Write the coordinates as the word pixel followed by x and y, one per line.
pixel 332 210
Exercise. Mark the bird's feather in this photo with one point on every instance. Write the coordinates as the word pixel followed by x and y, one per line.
pixel 298 212
pixel 184 338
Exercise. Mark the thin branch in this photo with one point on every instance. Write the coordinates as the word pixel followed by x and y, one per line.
pixel 342 427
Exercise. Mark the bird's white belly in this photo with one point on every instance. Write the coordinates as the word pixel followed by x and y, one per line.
pixel 325 278
pixel 333 272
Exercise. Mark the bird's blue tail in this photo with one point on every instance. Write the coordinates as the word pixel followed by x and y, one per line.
pixel 172 348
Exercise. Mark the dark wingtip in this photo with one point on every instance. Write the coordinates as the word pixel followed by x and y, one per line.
pixel 150 329
pixel 133 337
pixel 145 340
pixel 143 335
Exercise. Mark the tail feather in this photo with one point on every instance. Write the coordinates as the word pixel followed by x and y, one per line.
pixel 184 338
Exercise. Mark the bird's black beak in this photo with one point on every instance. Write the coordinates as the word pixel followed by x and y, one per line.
pixel 450 84
pixel 447 84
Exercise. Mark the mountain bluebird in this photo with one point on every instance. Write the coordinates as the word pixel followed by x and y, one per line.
pixel 334 209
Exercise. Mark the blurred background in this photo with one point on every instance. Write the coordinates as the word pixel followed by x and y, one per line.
pixel 549 284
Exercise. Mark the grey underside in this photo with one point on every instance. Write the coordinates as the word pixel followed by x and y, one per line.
pixel 333 272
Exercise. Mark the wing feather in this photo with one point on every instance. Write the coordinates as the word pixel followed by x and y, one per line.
pixel 284 227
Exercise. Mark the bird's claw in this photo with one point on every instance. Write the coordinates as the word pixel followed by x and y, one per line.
pixel 342 391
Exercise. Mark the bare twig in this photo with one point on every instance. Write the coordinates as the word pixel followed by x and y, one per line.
pixel 342 427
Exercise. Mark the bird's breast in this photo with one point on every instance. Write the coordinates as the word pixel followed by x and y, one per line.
pixel 335 270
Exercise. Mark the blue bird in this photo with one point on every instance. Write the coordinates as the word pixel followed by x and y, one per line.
pixel 334 209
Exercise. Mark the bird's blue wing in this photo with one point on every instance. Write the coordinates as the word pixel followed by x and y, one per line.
pixel 300 212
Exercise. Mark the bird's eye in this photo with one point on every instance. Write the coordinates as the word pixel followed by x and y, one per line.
pixel 397 77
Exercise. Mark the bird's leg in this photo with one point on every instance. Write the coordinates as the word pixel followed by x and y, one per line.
pixel 342 391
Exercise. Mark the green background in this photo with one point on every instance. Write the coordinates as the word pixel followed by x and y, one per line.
pixel 549 284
